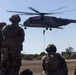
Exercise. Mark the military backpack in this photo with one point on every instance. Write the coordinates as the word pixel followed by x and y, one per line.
pixel 52 62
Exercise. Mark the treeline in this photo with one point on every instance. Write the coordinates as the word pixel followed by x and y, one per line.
pixel 33 56
pixel 66 55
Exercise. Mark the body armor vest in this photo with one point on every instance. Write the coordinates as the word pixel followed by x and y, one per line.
pixel 10 37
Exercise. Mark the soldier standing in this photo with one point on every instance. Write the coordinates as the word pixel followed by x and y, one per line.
pixel 75 70
pixel 13 37
pixel 1 40
pixel 53 63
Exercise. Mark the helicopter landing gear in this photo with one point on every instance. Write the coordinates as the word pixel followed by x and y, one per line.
pixel 46 28
pixel 25 28
pixel 50 29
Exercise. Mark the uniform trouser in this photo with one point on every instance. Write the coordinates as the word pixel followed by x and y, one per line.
pixel 4 68
pixel 0 62
pixel 15 66
pixel 55 72
pixel 12 65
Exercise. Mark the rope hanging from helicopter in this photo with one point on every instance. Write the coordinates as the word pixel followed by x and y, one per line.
pixel 43 40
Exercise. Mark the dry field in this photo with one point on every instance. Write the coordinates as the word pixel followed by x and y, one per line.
pixel 36 68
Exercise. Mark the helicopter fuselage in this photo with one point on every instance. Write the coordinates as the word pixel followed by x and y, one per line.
pixel 47 22
pixel 44 21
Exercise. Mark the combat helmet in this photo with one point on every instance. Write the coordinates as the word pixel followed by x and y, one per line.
pixel 51 48
pixel 15 18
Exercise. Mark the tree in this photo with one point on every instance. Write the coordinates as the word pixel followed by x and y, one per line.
pixel 69 52
pixel 42 53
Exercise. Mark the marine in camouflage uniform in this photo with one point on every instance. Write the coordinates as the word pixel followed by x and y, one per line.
pixel 1 40
pixel 13 37
pixel 60 69
pixel 75 70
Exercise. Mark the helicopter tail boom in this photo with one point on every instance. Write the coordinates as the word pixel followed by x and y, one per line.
pixel 72 21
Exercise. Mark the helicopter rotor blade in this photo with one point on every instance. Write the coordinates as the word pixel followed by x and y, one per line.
pixel 59 8
pixel 34 9
pixel 27 13
pixel 40 13
pixel 16 11
pixel 67 11
pixel 51 13
pixel 47 13
pixel 24 13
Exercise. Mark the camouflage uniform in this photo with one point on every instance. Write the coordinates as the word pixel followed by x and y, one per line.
pixel 75 70
pixel 62 69
pixel 13 37
pixel 1 40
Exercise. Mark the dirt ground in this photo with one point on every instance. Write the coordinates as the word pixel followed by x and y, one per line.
pixel 36 67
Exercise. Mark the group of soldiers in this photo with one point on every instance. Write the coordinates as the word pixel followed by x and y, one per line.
pixel 11 40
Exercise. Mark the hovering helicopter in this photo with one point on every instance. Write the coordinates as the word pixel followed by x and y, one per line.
pixel 43 21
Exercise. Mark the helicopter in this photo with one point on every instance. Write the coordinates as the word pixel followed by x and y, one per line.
pixel 44 21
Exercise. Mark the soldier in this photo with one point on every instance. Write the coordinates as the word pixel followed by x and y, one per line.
pixel 13 37
pixel 75 70
pixel 1 40
pixel 53 63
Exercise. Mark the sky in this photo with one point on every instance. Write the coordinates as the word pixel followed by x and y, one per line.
pixel 35 42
